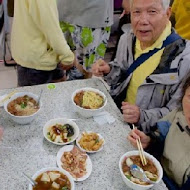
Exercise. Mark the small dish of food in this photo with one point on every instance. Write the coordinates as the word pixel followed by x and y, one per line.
pixel 52 178
pixel 61 131
pixel 74 161
pixel 90 142
pixel 88 102
pixel 152 169
pixel 23 107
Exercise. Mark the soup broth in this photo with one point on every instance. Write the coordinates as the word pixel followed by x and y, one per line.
pixel 150 169
pixel 52 180
pixel 23 106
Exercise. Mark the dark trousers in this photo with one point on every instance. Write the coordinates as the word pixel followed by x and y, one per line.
pixel 29 77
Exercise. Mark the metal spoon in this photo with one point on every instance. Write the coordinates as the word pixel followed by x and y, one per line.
pixel 38 102
pixel 31 181
pixel 138 172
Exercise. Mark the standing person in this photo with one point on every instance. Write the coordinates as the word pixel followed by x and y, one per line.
pixel 87 26
pixel 150 63
pixel 9 6
pixel 37 43
pixel 171 136
pixel 180 17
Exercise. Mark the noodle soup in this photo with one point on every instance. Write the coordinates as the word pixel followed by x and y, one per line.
pixel 89 100
pixel 23 106
pixel 153 167
pixel 51 180
pixel 150 169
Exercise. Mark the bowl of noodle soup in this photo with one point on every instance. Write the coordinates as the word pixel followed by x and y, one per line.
pixel 52 178
pixel 152 165
pixel 23 107
pixel 88 102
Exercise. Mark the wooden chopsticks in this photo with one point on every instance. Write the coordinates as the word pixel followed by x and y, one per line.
pixel 141 151
pixel 8 96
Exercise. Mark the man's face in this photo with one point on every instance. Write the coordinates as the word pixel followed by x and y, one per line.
pixel 148 19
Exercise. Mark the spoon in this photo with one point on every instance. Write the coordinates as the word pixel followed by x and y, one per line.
pixel 38 102
pixel 138 172
pixel 31 181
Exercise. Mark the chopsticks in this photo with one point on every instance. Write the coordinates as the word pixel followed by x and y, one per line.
pixel 8 96
pixel 141 151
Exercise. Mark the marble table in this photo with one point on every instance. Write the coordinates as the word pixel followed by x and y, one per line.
pixel 23 147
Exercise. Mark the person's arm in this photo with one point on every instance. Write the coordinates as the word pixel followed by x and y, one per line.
pixel 151 142
pixel 122 60
pixel 158 134
pixel 45 15
pixel 154 141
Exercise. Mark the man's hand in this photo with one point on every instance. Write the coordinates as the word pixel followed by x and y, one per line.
pixel 135 134
pixel 131 113
pixel 100 68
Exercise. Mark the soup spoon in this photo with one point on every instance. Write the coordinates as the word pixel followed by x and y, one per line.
pixel 31 181
pixel 38 102
pixel 138 172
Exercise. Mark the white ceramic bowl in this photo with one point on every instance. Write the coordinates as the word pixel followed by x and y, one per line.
pixel 22 119
pixel 61 121
pixel 53 169
pixel 88 112
pixel 88 151
pixel 134 185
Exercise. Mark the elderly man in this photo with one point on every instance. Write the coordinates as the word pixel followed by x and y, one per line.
pixel 150 64
pixel 37 43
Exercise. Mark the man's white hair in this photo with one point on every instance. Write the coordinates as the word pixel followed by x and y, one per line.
pixel 165 3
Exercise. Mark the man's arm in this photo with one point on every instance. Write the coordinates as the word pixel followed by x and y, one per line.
pixel 124 57
pixel 45 15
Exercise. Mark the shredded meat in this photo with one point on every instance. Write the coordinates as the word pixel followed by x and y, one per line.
pixel 74 162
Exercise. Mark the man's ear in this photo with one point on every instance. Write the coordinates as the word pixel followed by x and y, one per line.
pixel 169 12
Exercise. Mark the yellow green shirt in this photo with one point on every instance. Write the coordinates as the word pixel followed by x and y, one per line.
pixel 145 69
pixel 181 10
pixel 37 41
